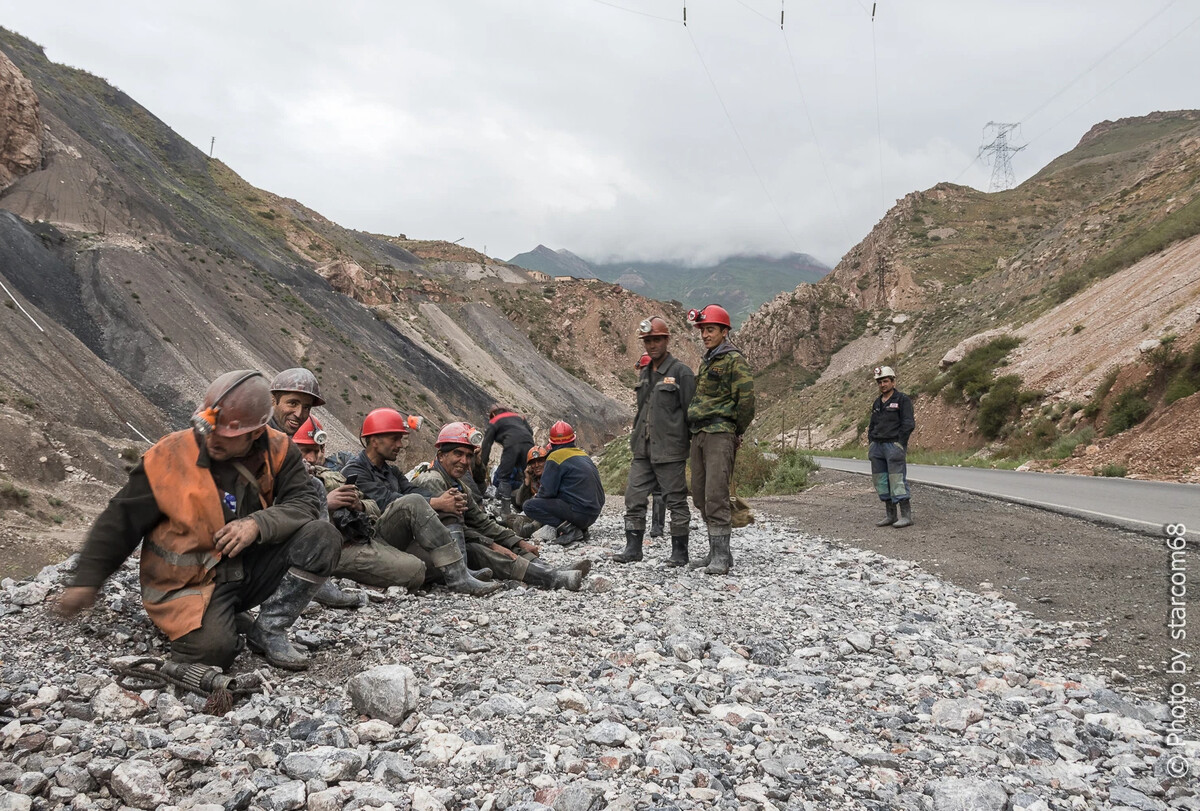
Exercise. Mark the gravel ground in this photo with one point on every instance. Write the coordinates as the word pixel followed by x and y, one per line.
pixel 818 676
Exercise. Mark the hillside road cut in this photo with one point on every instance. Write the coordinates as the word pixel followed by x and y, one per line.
pixel 1143 506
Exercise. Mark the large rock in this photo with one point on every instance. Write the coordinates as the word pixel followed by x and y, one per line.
pixel 956 714
pixel 114 704
pixel 965 794
pixel 20 125
pixel 387 692
pixel 580 797
pixel 14 802
pixel 323 763
pixel 138 784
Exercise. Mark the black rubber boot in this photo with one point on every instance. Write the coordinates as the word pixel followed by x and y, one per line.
pixel 568 534
pixel 658 515
pixel 891 515
pixel 456 575
pixel 269 634
pixel 459 533
pixel 330 596
pixel 905 514
pixel 523 525
pixel 722 556
pixel 540 575
pixel 633 547
pixel 505 507
pixel 679 551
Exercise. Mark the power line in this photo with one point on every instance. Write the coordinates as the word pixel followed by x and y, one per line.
pixel 1001 152
pixel 742 143
pixel 635 11
pixel 878 115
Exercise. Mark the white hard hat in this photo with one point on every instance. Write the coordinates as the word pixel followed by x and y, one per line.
pixel 885 371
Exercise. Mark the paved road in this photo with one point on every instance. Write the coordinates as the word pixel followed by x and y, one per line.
pixel 1141 505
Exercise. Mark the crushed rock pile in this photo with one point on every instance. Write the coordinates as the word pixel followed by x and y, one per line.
pixel 815 677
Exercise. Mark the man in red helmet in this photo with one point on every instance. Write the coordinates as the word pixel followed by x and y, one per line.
pixel 513 433
pixel 409 516
pixel 659 441
pixel 227 520
pixel 488 542
pixel 720 413
pixel 294 393
pixel 571 495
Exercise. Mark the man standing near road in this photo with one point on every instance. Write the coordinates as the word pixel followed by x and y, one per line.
pixel 892 423
pixel 660 443
pixel 718 416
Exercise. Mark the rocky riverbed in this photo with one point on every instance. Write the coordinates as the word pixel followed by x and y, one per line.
pixel 815 677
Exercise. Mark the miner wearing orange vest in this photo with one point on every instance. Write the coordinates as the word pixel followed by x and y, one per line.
pixel 227 519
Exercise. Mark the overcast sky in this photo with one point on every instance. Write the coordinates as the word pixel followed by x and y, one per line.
pixel 593 125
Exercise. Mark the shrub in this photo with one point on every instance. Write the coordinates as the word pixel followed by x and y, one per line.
pixel 790 474
pixel 11 495
pixel 1111 470
pixel 999 405
pixel 972 376
pixel 130 454
pixel 751 470
pixel 1186 381
pixel 1102 389
pixel 1065 445
pixel 614 464
pixel 1130 408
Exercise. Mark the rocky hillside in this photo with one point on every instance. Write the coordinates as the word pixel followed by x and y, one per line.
pixel 1089 265
pixel 741 283
pixel 136 269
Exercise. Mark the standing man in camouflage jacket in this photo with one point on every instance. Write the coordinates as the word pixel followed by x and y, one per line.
pixel 660 442
pixel 718 416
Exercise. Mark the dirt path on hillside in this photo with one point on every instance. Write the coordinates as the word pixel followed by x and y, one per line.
pixel 1052 566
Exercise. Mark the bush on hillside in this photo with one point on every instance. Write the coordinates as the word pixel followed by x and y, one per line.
pixel 1186 381
pixel 972 377
pixel 1092 409
pixel 1130 408
pixel 790 474
pixel 999 405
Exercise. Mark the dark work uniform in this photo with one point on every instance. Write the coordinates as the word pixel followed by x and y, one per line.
pixel 891 425
pixel 660 443
pixel 290 536
pixel 514 434
pixel 570 491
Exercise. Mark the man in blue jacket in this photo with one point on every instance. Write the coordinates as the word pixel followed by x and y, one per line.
pixel 571 495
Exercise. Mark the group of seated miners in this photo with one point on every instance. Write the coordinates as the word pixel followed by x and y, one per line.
pixel 243 509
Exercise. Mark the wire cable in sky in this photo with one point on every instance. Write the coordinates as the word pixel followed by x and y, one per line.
pixel 1109 86
pixel 753 10
pixel 738 135
pixel 1095 64
pixel 635 11
pixel 878 115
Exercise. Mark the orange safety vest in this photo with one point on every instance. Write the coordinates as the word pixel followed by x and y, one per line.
pixel 178 555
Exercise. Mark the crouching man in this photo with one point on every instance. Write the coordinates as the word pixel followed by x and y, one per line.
pixel 571 493
pixel 489 543
pixel 227 519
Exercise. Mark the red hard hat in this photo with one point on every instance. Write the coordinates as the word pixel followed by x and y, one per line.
pixel 383 421
pixel 561 433
pixel 643 361
pixel 310 434
pixel 652 327
pixel 536 452
pixel 235 403
pixel 712 314
pixel 459 433
pixel 298 380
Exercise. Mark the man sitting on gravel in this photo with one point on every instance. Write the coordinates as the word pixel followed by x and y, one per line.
pixel 488 542
pixel 294 394
pixel 409 519
pixel 227 519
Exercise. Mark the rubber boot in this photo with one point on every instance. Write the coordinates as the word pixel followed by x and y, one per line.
pixel 905 514
pixel 456 575
pixel 505 507
pixel 540 575
pixel 891 515
pixel 679 551
pixel 658 515
pixel 703 562
pixel 582 566
pixel 523 525
pixel 269 634
pixel 722 556
pixel 568 534
pixel 633 547
pixel 459 533
pixel 330 596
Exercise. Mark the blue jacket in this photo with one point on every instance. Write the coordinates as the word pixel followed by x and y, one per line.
pixel 571 475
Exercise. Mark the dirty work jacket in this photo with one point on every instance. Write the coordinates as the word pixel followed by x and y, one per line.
pixel 724 400
pixel 660 428
pixel 571 475
pixel 175 499
pixel 479 526
pixel 383 484
pixel 509 429
pixel 892 421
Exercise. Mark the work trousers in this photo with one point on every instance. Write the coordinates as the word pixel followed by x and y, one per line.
pixel 647 478
pixel 249 580
pixel 554 511
pixel 511 470
pixel 409 546
pixel 889 470
pixel 482 556
pixel 712 468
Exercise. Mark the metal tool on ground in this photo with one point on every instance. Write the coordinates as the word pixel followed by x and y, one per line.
pixel 220 689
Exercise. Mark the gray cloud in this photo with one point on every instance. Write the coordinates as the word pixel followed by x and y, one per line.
pixel 580 125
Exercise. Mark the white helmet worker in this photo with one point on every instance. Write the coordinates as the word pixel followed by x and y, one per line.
pixel 884 371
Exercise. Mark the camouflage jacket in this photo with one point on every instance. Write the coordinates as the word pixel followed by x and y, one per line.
pixel 724 400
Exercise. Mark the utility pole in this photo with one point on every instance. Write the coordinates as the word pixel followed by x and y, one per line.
pixel 999 153
pixel 211 144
